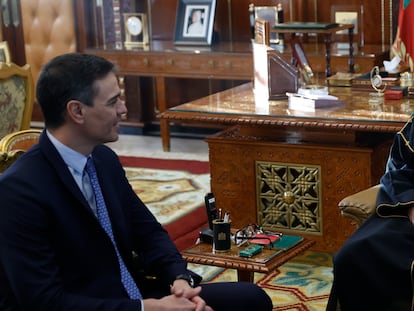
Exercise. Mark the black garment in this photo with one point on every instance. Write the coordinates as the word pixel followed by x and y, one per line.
pixel 374 268
pixel 372 271
pixel 237 296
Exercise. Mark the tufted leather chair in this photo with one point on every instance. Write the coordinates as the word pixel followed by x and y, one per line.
pixel 49 30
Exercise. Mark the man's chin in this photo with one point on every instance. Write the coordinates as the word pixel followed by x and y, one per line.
pixel 113 137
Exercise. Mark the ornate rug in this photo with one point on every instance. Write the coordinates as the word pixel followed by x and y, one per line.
pixel 174 191
pixel 302 284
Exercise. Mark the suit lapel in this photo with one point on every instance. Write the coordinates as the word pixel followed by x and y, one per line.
pixel 61 169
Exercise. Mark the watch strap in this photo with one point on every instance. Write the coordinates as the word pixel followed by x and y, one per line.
pixel 186 277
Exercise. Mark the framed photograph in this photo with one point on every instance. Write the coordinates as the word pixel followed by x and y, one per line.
pixel 136 30
pixel 349 14
pixel 4 52
pixel 195 22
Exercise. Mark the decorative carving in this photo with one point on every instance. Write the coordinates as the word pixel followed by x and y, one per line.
pixel 288 197
pixel 343 169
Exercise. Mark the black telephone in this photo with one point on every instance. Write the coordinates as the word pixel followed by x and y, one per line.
pixel 210 203
pixel 206 235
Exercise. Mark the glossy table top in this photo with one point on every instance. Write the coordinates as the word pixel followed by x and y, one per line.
pixel 240 105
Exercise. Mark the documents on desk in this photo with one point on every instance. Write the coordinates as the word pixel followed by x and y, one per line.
pixel 312 102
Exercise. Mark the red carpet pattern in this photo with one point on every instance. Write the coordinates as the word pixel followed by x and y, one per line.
pixel 174 191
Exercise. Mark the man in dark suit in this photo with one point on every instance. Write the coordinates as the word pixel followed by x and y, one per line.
pixel 73 234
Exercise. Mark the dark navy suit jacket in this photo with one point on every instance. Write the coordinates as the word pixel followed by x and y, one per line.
pixel 54 255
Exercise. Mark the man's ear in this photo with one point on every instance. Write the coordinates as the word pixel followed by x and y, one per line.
pixel 75 111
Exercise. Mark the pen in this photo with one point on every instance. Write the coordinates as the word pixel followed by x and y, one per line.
pixel 219 213
pixel 226 217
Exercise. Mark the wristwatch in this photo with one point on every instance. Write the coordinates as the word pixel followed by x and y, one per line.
pixel 186 277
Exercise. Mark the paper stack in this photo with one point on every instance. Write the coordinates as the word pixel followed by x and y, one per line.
pixel 312 102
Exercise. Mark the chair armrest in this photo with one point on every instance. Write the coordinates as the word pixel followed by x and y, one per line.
pixel 361 205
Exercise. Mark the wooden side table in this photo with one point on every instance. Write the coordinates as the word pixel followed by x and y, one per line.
pixel 265 262
pixel 321 28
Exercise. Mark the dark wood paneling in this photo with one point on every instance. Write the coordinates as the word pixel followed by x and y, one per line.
pixel 163 19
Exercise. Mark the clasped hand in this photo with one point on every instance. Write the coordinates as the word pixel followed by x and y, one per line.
pixel 183 298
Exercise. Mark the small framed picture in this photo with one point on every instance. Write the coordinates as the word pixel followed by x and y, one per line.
pixel 136 30
pixel 4 52
pixel 349 14
pixel 195 22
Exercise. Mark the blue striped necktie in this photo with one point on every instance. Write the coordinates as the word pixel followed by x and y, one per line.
pixel 103 218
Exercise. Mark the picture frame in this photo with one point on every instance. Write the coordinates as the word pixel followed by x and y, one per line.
pixel 136 30
pixel 4 52
pixel 349 14
pixel 194 22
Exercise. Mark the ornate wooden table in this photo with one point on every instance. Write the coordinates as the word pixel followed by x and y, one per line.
pixel 288 169
pixel 306 28
pixel 265 262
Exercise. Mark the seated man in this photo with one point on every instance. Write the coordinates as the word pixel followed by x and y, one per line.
pixel 73 233
pixel 374 268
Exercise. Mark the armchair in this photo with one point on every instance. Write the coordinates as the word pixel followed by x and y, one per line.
pixel 13 145
pixel 359 206
pixel 20 140
pixel 16 97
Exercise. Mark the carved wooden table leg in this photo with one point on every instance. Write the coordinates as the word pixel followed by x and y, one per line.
pixel 163 106
pixel 245 276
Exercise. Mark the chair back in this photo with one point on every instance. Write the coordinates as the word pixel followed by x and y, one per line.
pixel 16 98
pixel 20 140
pixel 4 52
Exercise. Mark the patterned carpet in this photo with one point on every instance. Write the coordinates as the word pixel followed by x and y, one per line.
pixel 175 189
pixel 170 188
pixel 302 284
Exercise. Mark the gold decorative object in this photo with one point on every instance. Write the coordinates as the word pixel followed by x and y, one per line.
pixel 289 197
pixel 136 30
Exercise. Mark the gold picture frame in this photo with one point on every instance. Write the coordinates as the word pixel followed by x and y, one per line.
pixel 4 52
pixel 136 30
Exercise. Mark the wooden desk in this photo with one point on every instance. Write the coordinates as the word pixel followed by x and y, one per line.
pixel 346 148
pixel 265 262
pixel 161 60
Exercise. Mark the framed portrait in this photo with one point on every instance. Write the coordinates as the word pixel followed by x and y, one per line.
pixel 4 52
pixel 195 22
pixel 349 14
